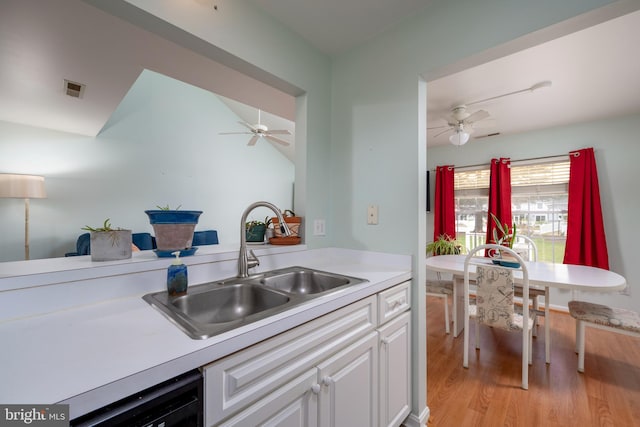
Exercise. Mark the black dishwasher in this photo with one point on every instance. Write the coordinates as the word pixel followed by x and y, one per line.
pixel 176 402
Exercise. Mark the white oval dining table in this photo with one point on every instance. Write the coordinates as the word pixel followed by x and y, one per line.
pixel 541 274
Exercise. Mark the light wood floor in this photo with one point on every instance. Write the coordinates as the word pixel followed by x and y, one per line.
pixel 488 393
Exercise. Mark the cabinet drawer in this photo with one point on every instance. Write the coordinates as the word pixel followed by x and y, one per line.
pixel 244 377
pixel 393 302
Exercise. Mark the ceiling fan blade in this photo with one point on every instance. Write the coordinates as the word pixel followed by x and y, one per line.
pixel 451 120
pixel 477 116
pixel 278 140
pixel 279 132
pixel 484 123
pixel 235 133
pixel 248 126
pixel 253 140
pixel 443 132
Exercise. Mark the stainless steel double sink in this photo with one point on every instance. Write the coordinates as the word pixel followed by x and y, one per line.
pixel 216 307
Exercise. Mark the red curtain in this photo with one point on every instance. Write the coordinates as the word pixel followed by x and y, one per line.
pixel 444 221
pixel 586 241
pixel 499 195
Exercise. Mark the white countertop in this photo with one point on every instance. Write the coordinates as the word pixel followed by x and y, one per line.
pixel 103 349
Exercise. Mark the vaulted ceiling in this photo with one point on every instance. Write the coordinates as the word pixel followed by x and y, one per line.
pixel 44 42
pixel 593 72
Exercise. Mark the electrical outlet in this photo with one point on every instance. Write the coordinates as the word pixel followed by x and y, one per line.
pixel 372 215
pixel 319 227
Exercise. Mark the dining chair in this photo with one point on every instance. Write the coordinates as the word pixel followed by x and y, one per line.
pixel 600 316
pixel 494 304
pixel 441 289
pixel 524 245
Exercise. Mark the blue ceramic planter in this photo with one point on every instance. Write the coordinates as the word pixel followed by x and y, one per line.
pixel 160 216
pixel 173 230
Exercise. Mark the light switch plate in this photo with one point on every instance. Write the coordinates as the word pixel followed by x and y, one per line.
pixel 372 214
pixel 319 227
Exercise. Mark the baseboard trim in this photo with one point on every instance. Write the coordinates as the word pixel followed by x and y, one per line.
pixel 417 420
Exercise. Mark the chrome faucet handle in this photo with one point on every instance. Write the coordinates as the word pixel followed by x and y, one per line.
pixel 252 260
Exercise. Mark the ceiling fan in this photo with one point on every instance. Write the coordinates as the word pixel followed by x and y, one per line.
pixel 461 122
pixel 261 131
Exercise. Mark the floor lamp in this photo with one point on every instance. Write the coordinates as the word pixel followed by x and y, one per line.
pixel 23 187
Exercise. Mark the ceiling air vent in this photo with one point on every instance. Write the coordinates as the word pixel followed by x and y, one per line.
pixel 73 89
pixel 488 135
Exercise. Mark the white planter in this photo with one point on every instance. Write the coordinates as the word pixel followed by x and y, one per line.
pixel 110 245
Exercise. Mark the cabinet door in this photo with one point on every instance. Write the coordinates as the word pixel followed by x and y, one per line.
pixel 349 381
pixel 395 370
pixel 293 405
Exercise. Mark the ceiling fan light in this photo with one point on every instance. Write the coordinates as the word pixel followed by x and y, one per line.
pixel 459 138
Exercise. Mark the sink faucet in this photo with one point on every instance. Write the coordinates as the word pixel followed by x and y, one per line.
pixel 245 262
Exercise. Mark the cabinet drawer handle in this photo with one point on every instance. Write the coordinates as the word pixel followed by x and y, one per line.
pixel 327 381
pixel 384 341
pixel 315 388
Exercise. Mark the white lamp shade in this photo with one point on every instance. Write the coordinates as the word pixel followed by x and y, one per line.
pixel 22 186
pixel 459 138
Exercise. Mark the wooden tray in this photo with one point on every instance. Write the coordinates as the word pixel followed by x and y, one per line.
pixel 287 240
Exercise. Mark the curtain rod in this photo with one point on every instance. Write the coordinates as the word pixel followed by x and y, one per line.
pixel 558 157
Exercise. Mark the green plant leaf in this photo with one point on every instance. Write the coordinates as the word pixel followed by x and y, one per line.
pixel 106 226
pixel 167 208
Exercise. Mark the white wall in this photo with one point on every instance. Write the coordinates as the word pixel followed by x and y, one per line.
pixel 161 146
pixel 616 149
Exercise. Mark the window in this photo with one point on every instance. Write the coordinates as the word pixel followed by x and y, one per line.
pixel 539 202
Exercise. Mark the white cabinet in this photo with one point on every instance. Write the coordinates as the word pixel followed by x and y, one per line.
pixel 340 391
pixel 350 368
pixel 245 377
pixel 395 370
pixel 349 393
pixel 394 329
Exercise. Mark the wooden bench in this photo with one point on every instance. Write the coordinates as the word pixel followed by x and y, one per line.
pixel 599 316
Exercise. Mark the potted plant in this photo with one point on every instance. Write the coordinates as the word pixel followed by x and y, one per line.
pixel 501 234
pixel 173 230
pixel 444 245
pixel 108 243
pixel 504 236
pixel 255 231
